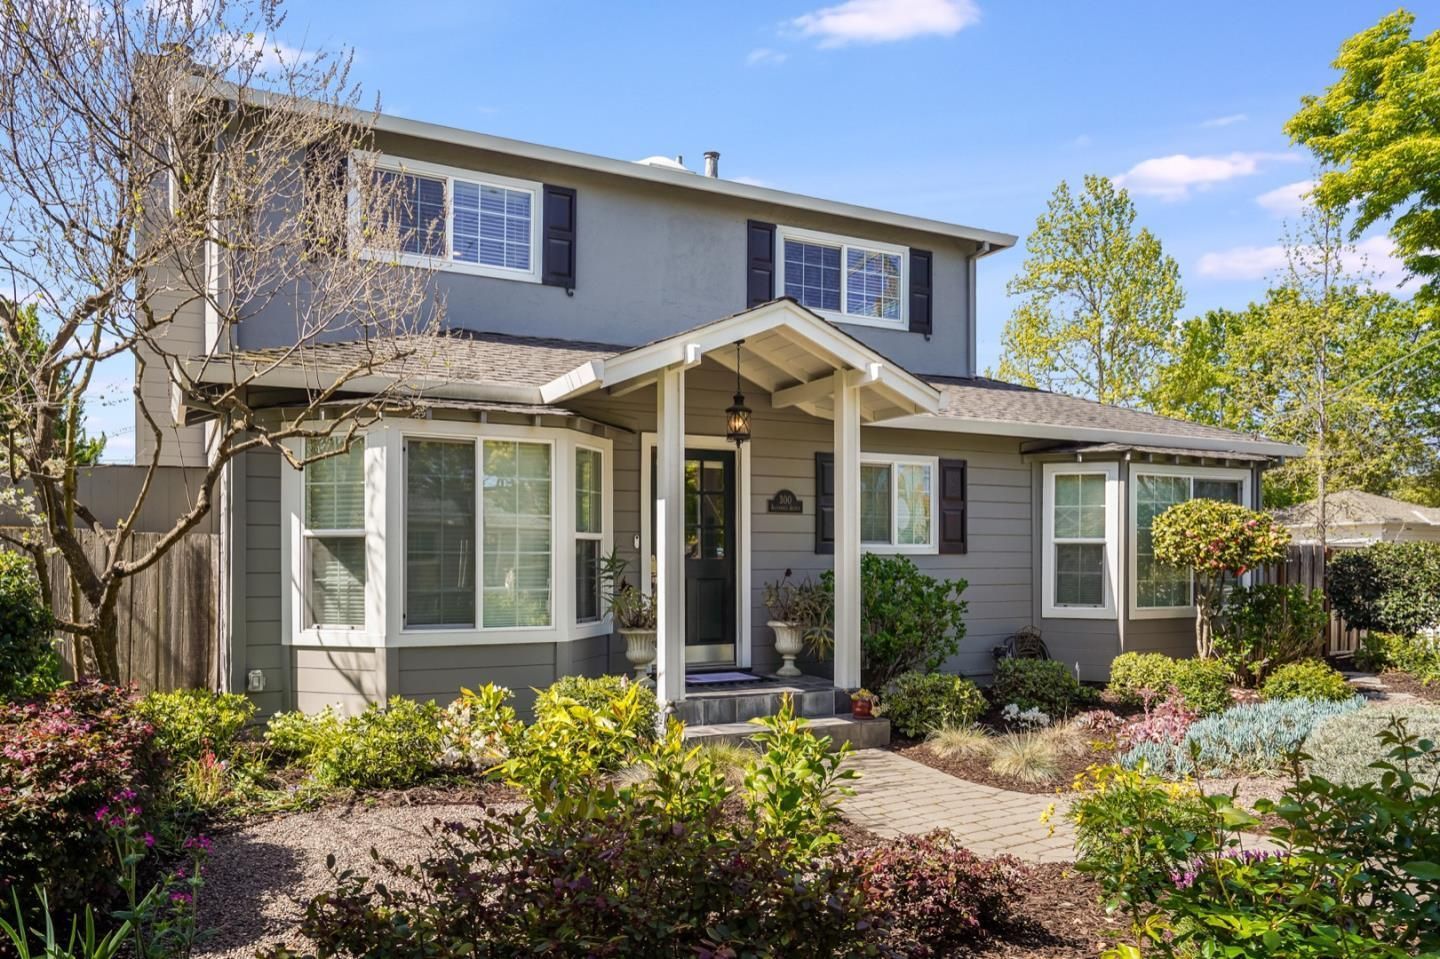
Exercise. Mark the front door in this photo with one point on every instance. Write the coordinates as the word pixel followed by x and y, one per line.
pixel 711 544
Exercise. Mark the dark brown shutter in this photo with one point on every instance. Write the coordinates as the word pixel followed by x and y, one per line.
pixel 558 256
pixel 920 306
pixel 953 506
pixel 760 262
pixel 824 502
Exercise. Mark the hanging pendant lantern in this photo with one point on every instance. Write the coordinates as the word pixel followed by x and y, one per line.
pixel 737 415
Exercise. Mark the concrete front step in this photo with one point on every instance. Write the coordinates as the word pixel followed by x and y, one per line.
pixel 723 706
pixel 859 733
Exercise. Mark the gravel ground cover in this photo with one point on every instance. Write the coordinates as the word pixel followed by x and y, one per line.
pixel 263 872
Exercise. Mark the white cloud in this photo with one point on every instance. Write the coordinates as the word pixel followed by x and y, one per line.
pixel 1292 199
pixel 764 55
pixel 1173 177
pixel 1373 258
pixel 752 181
pixel 1082 142
pixel 1225 121
pixel 885 21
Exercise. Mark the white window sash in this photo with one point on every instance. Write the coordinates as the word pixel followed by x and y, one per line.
pixel 448 262
pixel 893 462
pixel 1049 473
pixel 595 536
pixel 844 244
pixel 1190 474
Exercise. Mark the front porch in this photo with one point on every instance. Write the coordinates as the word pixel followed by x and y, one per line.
pixel 804 370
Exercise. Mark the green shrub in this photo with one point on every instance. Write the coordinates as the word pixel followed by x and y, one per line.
pixel 1205 684
pixel 920 703
pixel 1307 679
pixel 1344 749
pixel 480 728
pixel 190 722
pixel 600 693
pixel 909 621
pixel 1043 684
pixel 297 737
pixel 1134 674
pixel 793 788
pixel 1390 587
pixel 385 747
pixel 28 664
pixel 1417 655
pixel 1261 628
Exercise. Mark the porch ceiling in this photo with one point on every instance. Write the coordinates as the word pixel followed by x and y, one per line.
pixel 787 350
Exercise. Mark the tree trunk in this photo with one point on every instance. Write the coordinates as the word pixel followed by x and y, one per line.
pixel 105 640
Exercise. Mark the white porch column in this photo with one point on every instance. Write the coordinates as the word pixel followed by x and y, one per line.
pixel 847 529
pixel 669 536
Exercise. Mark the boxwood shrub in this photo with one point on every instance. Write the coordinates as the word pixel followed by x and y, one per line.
pixel 920 703
pixel 1044 684
pixel 1307 679
pixel 1205 683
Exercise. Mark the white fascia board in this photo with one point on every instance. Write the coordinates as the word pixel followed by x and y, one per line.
pixel 957 424
pixel 583 379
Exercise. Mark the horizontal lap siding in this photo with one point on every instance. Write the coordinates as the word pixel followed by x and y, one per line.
pixel 259 645
pixel 439 672
pixel 782 456
pixel 347 679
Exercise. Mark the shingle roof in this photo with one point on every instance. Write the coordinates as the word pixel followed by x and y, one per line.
pixel 1353 506
pixel 455 355
pixel 983 398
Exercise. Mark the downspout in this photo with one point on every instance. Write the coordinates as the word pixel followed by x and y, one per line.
pixel 985 248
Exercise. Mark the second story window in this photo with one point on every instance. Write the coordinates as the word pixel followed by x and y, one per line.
pixel 463 221
pixel 855 281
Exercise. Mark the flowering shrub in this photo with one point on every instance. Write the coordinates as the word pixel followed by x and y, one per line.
pixel 1307 679
pixel 1031 718
pixel 479 728
pixel 302 737
pixel 191 722
pixel 920 703
pixel 1043 684
pixel 28 664
pixel 935 894
pixel 1165 723
pixel 1215 540
pixel 61 759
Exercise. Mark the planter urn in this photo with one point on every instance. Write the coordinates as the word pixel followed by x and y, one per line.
pixel 788 644
pixel 862 708
pixel 640 652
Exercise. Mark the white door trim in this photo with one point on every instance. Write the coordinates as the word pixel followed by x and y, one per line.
pixel 742 506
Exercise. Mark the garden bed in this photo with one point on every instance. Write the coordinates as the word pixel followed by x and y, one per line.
pixel 977 769
pixel 1403 683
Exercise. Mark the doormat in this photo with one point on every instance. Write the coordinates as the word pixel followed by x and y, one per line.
pixel 720 679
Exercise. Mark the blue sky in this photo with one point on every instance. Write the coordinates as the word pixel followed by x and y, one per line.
pixel 958 110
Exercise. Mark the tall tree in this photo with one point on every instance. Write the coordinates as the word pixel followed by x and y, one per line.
pixel 1377 130
pixel 1098 299
pixel 161 162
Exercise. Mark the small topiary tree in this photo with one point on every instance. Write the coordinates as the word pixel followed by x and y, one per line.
pixel 28 664
pixel 1215 540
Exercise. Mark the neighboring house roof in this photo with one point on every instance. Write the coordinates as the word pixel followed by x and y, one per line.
pixel 1107 449
pixel 1355 508
pixel 664 174
pixel 535 371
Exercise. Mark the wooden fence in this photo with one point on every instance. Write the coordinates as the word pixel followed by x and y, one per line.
pixel 1305 566
pixel 169 614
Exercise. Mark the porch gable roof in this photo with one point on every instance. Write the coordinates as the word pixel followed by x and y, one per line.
pixel 780 346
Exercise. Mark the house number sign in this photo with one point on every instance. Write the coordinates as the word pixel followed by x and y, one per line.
pixel 785 501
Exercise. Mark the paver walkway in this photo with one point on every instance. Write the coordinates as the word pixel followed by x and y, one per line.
pixel 895 795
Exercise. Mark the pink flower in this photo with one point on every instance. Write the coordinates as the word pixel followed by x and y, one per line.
pixel 149 841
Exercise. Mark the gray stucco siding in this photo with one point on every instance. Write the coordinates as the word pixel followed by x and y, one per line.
pixel 651 260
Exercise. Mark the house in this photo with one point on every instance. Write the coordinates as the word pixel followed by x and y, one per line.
pixel 1355 518
pixel 602 317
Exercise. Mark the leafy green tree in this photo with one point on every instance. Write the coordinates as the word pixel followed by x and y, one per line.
pixel 1377 130
pixel 1199 381
pixel 1098 299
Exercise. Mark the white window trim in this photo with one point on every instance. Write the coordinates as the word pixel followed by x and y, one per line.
pixel 1133 519
pixel 892 460
pixel 602 537
pixel 783 233
pixel 448 262
pixel 742 506
pixel 385 554
pixel 1049 608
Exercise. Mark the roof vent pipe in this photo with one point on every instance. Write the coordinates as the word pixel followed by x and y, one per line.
pixel 712 163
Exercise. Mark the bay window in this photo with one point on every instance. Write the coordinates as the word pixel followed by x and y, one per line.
pixel 334 535
pixel 1080 542
pixel 897 497
pixel 516 524
pixel 1159 589
pixel 439 533
pixel 589 532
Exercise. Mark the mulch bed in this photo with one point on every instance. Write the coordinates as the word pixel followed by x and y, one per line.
pixel 977 770
pixel 1398 682
pixel 1058 917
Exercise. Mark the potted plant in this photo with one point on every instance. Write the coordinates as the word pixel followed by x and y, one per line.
pixel 632 613
pixel 800 617
pixel 862 704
